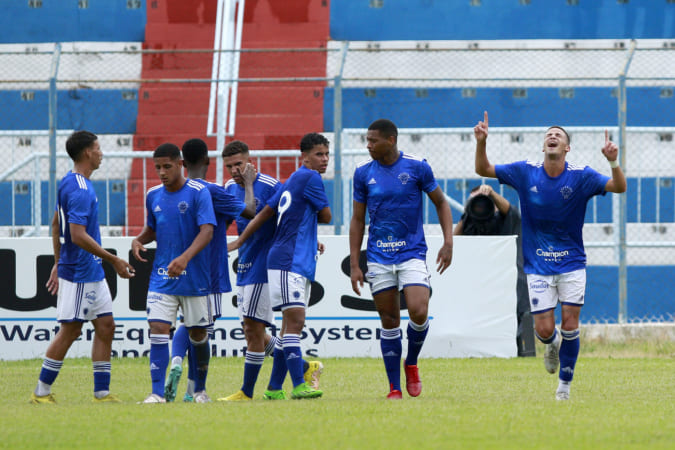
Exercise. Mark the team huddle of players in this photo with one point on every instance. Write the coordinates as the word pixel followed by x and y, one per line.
pixel 277 247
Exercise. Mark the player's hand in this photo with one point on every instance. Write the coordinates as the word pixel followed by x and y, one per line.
pixel 248 174
pixel 610 149
pixel 124 269
pixel 53 281
pixel 322 248
pixel 480 131
pixel 444 258
pixel 357 279
pixel 176 267
pixel 234 245
pixel 136 249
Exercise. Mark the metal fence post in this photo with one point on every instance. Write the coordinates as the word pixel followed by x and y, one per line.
pixel 53 100
pixel 338 210
pixel 621 244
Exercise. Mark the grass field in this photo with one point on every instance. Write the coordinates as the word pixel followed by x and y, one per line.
pixel 622 397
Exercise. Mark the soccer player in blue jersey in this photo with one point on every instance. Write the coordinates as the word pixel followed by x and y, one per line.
pixel 253 298
pixel 553 197
pixel 77 276
pixel 390 187
pixel 227 208
pixel 299 205
pixel 180 218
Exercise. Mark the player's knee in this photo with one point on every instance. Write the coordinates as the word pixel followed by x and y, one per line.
pixel 544 330
pixel 197 334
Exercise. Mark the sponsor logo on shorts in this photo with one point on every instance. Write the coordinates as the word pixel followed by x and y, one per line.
pixel 90 296
pixel 539 286
pixel 535 301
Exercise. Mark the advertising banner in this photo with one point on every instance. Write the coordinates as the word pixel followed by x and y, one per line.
pixel 472 310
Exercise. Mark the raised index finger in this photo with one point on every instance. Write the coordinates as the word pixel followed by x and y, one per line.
pixel 485 118
pixel 606 136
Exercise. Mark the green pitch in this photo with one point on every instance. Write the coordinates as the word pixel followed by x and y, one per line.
pixel 624 402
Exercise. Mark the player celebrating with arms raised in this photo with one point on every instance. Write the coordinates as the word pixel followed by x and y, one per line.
pixel 390 186
pixel 553 197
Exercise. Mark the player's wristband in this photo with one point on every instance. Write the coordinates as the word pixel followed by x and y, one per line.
pixel 614 164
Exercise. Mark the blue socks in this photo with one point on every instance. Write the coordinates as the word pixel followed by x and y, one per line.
pixel 252 365
pixel 101 378
pixel 48 373
pixel 390 343
pixel 159 361
pixel 180 342
pixel 293 354
pixel 416 336
pixel 569 352
pixel 279 369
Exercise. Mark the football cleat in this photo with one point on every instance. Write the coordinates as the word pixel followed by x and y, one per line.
pixel 551 357
pixel 562 395
pixel 313 374
pixel 395 394
pixel 171 385
pixel 275 395
pixel 201 397
pixel 236 397
pixel 303 391
pixel 153 398
pixel 110 398
pixel 413 384
pixel 37 399
pixel 188 398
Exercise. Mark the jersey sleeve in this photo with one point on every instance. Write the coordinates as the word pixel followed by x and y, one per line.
pixel 427 179
pixel 150 217
pixel 204 205
pixel 78 207
pixel 360 192
pixel 594 181
pixel 315 193
pixel 511 173
pixel 225 203
pixel 273 201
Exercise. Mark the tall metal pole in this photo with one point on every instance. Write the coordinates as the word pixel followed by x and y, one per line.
pixel 52 133
pixel 621 244
pixel 338 218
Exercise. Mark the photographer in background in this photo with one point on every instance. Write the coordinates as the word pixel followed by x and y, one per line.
pixel 488 213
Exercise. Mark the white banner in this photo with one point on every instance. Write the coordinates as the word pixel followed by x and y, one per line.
pixel 472 309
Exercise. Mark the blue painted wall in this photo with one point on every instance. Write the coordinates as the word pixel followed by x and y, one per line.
pixel 446 108
pixel 102 111
pixel 419 20
pixel 65 21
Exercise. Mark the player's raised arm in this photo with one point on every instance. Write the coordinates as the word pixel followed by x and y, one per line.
pixel 483 166
pixel 263 216
pixel 248 174
pixel 617 183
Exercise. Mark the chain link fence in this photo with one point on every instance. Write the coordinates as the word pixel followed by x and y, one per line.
pixel 135 99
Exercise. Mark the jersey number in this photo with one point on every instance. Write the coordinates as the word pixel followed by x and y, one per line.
pixel 284 204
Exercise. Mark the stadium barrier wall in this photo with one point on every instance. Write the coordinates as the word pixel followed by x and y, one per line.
pixel 472 310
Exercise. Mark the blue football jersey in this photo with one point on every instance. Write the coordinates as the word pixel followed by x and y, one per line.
pixel 394 198
pixel 226 208
pixel 77 203
pixel 552 211
pixel 297 203
pixel 176 218
pixel 252 264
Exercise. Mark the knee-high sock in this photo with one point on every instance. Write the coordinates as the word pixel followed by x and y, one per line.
pixel 159 360
pixel 202 357
pixel 180 343
pixel 416 336
pixel 101 378
pixel 293 353
pixel 48 373
pixel 252 365
pixel 279 368
pixel 390 343
pixel 569 352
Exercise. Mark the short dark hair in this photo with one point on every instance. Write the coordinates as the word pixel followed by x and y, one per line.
pixel 78 142
pixel 194 151
pixel 385 126
pixel 569 141
pixel 167 150
pixel 235 148
pixel 311 140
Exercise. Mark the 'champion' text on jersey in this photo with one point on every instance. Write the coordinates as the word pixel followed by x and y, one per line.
pixel 394 197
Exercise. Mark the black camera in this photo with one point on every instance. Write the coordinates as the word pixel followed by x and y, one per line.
pixel 480 208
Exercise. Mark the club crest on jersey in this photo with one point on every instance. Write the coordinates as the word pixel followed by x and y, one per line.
pixel 404 177
pixel 566 192
pixel 183 206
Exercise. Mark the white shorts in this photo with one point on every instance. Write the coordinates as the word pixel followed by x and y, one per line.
pixel 79 302
pixel 287 289
pixel 253 302
pixel 164 308
pixel 412 272
pixel 547 290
